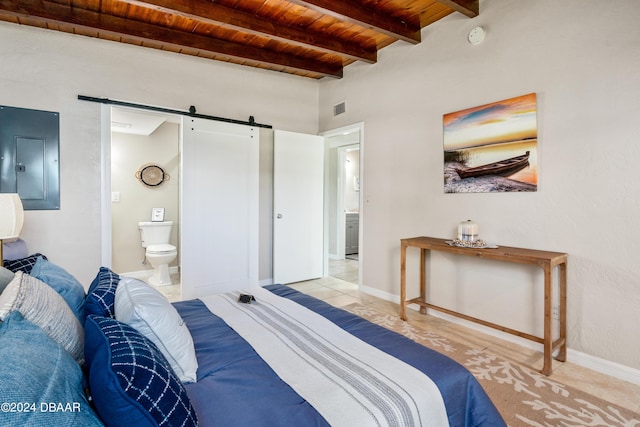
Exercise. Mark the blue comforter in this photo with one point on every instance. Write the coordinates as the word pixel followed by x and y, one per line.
pixel 237 388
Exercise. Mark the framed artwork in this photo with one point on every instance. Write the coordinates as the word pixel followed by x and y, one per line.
pixel 157 214
pixel 492 148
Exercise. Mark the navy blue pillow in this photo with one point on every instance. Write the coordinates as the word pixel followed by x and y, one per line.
pixel 23 264
pixel 130 380
pixel 102 294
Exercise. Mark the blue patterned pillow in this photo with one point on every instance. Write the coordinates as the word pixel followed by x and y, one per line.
pixel 23 264
pixel 130 380
pixel 102 294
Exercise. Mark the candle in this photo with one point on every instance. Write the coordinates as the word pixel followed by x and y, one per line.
pixel 468 231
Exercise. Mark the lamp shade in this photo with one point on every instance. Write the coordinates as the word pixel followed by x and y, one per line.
pixel 11 216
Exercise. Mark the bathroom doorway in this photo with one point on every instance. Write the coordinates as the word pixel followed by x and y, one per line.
pixel 343 203
pixel 144 141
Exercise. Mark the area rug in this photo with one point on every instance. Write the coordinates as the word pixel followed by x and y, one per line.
pixel 523 396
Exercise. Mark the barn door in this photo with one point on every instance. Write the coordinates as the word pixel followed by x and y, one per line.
pixel 219 207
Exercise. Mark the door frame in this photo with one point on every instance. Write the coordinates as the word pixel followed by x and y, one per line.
pixel 329 144
pixel 105 175
pixel 106 257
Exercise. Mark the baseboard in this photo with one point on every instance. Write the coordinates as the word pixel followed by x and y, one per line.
pixel 585 360
pixel 144 274
pixel 379 294
pixel 604 366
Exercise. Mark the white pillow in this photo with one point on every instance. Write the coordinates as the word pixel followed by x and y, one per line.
pixel 150 313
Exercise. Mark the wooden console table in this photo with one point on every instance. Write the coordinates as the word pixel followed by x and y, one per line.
pixel 544 259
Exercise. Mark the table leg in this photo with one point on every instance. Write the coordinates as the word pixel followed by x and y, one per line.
pixel 403 281
pixel 423 279
pixel 548 330
pixel 562 272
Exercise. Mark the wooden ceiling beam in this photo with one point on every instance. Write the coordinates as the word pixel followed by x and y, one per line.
pixel 357 13
pixel 470 8
pixel 45 12
pixel 235 19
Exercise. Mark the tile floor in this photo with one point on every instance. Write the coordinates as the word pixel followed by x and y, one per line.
pixel 172 292
pixel 341 289
pixel 346 269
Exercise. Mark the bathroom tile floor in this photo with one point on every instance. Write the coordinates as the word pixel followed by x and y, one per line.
pixel 172 292
pixel 341 289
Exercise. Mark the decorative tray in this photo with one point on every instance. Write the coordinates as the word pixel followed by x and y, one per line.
pixel 478 244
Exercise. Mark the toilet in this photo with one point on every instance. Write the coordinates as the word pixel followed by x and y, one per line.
pixel 155 238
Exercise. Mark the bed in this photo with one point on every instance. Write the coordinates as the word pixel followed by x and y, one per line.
pixel 465 400
pixel 201 371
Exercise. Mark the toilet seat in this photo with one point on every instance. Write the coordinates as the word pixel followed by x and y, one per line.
pixel 160 249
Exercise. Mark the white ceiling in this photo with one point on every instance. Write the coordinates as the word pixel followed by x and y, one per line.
pixel 138 122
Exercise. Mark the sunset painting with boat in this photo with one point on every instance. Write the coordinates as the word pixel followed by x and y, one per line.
pixel 492 148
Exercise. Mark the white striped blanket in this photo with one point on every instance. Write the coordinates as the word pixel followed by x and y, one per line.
pixel 349 382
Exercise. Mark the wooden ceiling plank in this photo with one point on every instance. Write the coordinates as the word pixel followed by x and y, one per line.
pixel 470 8
pixel 40 11
pixel 367 17
pixel 238 20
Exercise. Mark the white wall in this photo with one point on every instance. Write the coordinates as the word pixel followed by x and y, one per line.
pixel 582 59
pixel 47 70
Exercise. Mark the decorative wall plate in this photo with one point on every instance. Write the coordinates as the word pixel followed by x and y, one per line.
pixel 152 175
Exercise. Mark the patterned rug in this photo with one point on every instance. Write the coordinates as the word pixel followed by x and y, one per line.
pixel 523 396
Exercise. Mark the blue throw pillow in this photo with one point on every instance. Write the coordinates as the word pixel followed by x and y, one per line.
pixel 130 380
pixel 63 283
pixel 23 264
pixel 102 294
pixel 41 383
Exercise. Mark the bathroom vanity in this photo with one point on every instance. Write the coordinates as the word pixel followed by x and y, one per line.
pixel 351 233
